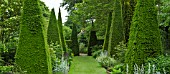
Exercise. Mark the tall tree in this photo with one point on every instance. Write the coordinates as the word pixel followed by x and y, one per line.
pixel 53 33
pixel 117 34
pixel 144 41
pixel 91 8
pixel 70 4
pixel 32 55
pixel 75 45
pixel 106 39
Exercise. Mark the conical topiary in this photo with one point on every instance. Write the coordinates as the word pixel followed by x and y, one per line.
pixel 92 40
pixel 32 55
pixel 106 39
pixel 53 33
pixel 75 45
pixel 117 34
pixel 144 41
pixel 60 28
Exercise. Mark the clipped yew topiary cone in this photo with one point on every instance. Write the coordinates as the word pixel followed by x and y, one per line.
pixel 32 55
pixel 144 41
pixel 53 33
pixel 117 30
pixel 75 44
pixel 106 39
pixel 62 39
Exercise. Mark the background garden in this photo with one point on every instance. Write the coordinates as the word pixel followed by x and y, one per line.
pixel 99 37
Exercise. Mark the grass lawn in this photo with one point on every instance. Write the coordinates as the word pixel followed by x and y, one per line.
pixel 85 65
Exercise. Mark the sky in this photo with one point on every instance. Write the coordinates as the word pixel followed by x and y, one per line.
pixel 56 4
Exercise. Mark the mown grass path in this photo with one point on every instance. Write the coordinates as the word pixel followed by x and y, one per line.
pixel 86 65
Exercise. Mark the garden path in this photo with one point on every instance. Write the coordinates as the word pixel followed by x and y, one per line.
pixel 86 65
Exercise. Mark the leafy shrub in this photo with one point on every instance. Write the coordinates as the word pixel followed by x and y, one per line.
pixel 117 69
pixel 70 57
pixel 59 63
pixel 6 69
pixel 55 52
pixel 96 48
pixel 105 61
pixel 67 32
pixel 82 48
pixel 120 51
pixel 69 43
pixel 162 64
pixel 96 53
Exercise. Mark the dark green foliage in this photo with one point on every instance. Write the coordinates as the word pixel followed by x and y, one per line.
pixel 161 62
pixel 106 41
pixel 55 53
pixel 117 34
pixel 117 69
pixel 97 53
pixel 60 28
pixel 52 33
pixel 32 55
pixel 70 4
pixel 128 10
pixel 75 45
pixel 165 39
pixel 82 48
pixel 144 40
pixel 69 43
pixel 164 23
pixel 92 42
pixel 120 52
pixel 67 31
pixel 9 39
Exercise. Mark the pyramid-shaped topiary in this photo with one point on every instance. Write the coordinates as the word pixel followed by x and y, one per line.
pixel 75 44
pixel 53 33
pixel 60 28
pixel 144 41
pixel 117 33
pixel 32 55
pixel 106 39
